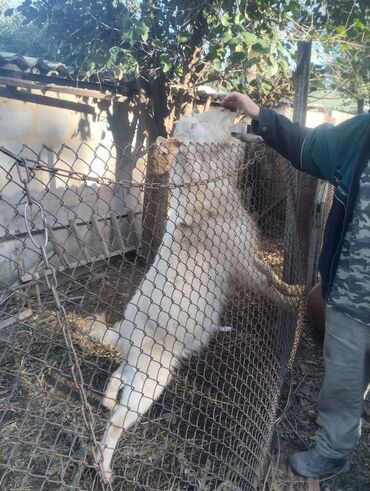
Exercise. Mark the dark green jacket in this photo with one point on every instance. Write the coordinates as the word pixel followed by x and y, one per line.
pixel 337 154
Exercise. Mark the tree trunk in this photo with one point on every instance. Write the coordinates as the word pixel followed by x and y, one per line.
pixel 159 101
pixel 156 201
pixel 156 194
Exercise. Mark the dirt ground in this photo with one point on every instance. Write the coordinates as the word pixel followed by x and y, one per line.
pixel 209 430
pixel 298 424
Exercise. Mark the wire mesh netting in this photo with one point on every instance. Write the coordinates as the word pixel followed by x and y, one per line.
pixel 146 323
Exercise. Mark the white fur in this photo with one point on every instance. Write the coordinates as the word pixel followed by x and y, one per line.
pixel 206 128
pixel 209 240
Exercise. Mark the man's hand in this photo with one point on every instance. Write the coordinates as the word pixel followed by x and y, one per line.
pixel 242 103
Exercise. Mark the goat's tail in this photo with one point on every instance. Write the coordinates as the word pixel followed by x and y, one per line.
pixel 96 327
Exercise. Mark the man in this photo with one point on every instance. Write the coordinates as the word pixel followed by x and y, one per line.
pixel 341 156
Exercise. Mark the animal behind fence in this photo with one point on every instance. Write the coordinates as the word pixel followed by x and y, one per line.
pixel 200 338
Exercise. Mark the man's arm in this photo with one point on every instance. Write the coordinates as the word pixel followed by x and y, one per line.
pixel 277 130
pixel 282 135
pixel 319 152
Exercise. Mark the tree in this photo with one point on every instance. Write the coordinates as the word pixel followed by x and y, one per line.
pixel 342 31
pixel 17 37
pixel 170 46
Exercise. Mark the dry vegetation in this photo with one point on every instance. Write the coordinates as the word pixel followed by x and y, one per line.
pixel 209 431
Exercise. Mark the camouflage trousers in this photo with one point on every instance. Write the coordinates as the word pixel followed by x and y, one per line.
pixel 346 383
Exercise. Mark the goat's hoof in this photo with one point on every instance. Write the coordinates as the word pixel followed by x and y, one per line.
pixel 106 474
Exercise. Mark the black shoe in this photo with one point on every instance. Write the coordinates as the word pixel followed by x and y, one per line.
pixel 312 464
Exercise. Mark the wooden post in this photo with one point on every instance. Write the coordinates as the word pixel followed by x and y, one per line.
pixel 305 186
pixel 302 76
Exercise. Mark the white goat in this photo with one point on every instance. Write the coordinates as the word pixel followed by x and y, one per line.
pixel 209 240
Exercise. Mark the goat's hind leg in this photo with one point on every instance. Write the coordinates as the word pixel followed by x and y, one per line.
pixel 115 384
pixel 278 283
pixel 259 276
pixel 141 389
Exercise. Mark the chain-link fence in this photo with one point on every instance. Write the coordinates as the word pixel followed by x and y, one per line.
pixel 184 269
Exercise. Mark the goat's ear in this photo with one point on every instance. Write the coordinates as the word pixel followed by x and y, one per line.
pixel 169 145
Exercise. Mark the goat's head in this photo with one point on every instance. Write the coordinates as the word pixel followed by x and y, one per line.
pixel 204 128
pixel 207 128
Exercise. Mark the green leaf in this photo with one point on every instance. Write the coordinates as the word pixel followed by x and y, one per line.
pixel 238 57
pixel 166 67
pixel 260 48
pixel 157 43
pixel 165 62
pixel 226 36
pixel 295 8
pixel 143 30
pixel 340 29
pixel 359 24
pixel 225 20
pixel 185 36
pixel 238 19
pixel 250 37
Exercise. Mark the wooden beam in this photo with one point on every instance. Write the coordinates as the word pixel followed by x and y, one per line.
pixel 121 88
pixel 305 185
pixel 95 226
pixel 28 84
pixel 24 96
pixel 27 277
pixel 117 230
pixel 80 242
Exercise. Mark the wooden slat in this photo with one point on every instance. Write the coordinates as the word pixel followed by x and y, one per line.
pixel 44 87
pixel 95 226
pixel 80 242
pixel 59 225
pixel 115 225
pixel 26 96
pixel 57 247
pixel 75 264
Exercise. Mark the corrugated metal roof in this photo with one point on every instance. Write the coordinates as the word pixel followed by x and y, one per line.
pixel 29 65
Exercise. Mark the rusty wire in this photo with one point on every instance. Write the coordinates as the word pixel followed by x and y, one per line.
pixel 79 176
pixel 84 249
